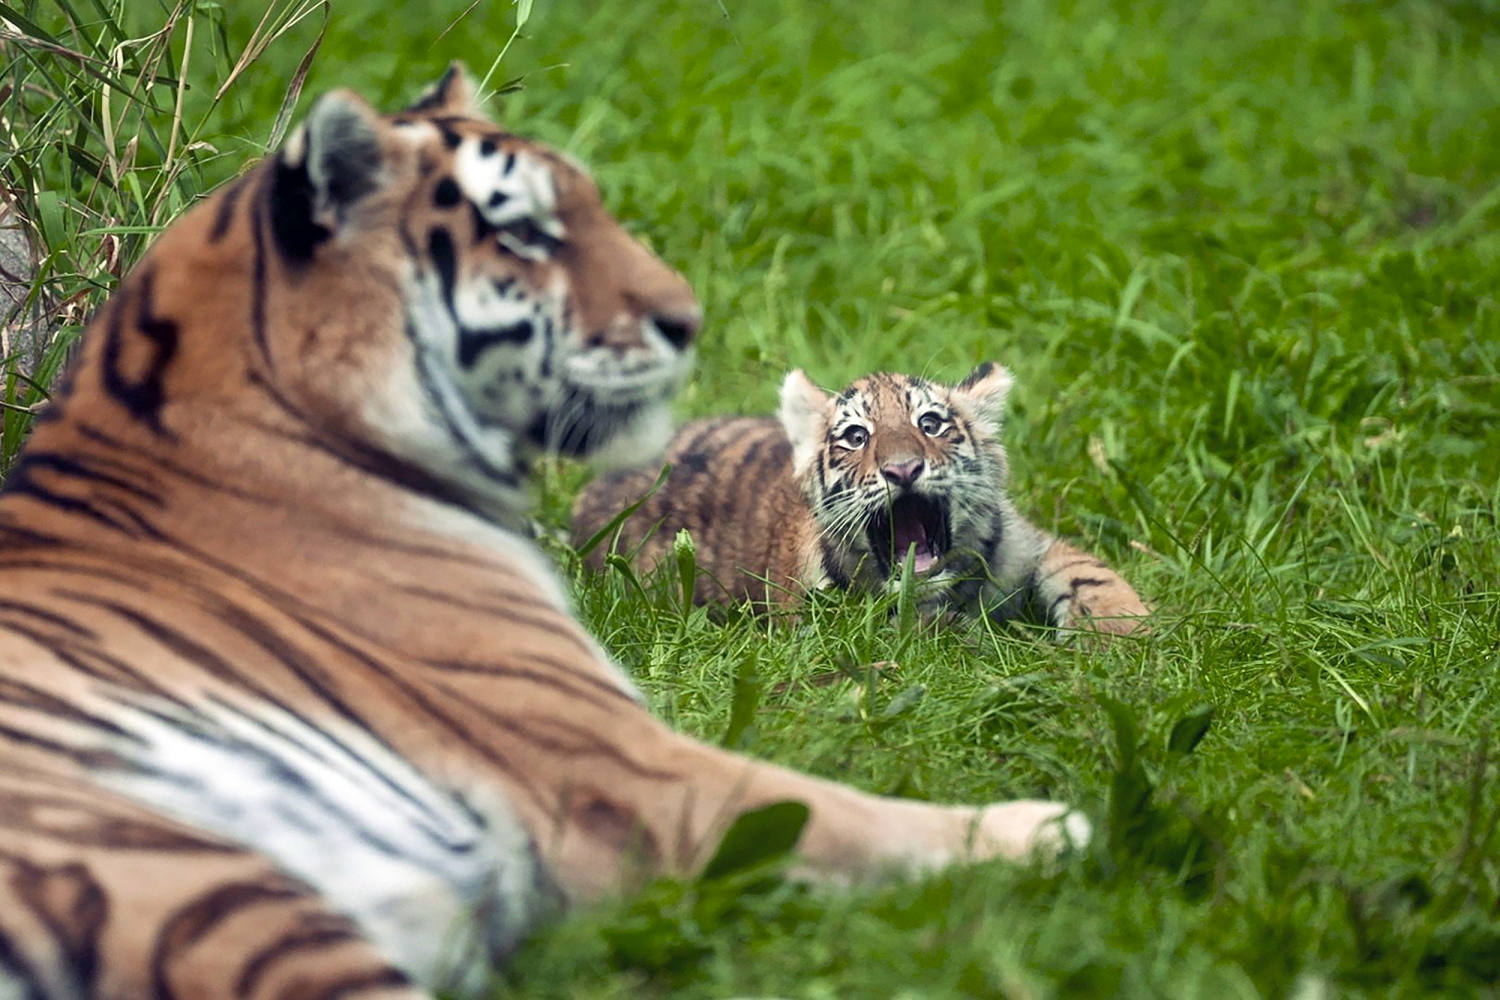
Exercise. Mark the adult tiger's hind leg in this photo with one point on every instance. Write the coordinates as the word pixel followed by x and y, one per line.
pixel 1076 590
pixel 101 899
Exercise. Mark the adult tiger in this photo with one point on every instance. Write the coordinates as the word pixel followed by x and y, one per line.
pixel 837 491
pixel 286 710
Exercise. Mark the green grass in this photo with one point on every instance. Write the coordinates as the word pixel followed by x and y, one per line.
pixel 1244 263
pixel 115 116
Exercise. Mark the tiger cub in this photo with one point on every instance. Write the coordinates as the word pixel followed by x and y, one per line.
pixel 842 490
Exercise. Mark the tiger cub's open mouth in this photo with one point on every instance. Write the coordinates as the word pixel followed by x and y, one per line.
pixel 911 522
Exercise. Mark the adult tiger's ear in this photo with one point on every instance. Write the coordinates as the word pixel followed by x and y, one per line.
pixel 983 394
pixel 328 164
pixel 804 417
pixel 452 95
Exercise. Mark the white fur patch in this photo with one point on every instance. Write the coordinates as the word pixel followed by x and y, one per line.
pixel 804 417
pixel 507 186
pixel 647 439
pixel 438 883
pixel 13 989
pixel 446 429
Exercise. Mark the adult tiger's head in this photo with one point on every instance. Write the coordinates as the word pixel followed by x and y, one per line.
pixel 430 295
pixel 896 464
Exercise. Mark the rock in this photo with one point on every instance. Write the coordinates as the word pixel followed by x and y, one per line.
pixel 23 331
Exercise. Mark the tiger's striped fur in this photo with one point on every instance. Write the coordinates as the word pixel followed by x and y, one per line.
pixel 837 490
pixel 287 707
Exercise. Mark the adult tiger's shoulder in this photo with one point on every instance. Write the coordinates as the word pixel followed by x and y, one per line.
pixel 844 488
pixel 286 710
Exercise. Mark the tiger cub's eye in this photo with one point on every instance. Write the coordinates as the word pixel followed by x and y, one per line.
pixel 930 423
pixel 855 436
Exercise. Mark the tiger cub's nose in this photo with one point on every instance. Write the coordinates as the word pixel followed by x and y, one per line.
pixel 903 473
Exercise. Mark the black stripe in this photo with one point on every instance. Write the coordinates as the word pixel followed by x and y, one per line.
pixel 702 431
pixel 16 538
pixel 74 910
pixel 290 206
pixel 482 228
pixel 382 465
pixel 67 624
pixel 437 96
pixel 587 741
pixel 742 499
pixel 444 259
pixel 14 965
pixel 141 397
pixel 317 932
pixel 16 693
pixel 124 520
pixel 708 501
pixel 561 679
pixel 556 624
pixel 474 342
pixel 258 283
pixel 978 373
pixel 89 759
pixel 103 666
pixel 161 463
pixel 446 194
pixel 836 574
pixel 197 919
pixel 33 459
pixel 487 469
pixel 363 982
pixel 292 781
pixel 224 211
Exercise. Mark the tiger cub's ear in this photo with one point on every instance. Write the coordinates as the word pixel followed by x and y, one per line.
pixel 804 417
pixel 329 163
pixel 452 95
pixel 983 394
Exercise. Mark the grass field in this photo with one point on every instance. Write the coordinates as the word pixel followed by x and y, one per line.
pixel 1245 264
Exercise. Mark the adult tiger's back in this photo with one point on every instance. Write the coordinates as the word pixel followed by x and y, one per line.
pixel 286 710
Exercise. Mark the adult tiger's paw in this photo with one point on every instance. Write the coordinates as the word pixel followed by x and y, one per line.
pixel 1030 828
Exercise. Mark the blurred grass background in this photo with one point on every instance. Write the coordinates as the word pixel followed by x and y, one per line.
pixel 1243 261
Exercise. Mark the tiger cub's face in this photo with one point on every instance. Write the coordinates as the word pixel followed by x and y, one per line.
pixel 896 464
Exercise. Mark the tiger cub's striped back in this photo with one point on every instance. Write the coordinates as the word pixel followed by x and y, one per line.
pixel 731 488
pixel 843 488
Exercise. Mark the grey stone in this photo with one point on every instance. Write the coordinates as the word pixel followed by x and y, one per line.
pixel 23 330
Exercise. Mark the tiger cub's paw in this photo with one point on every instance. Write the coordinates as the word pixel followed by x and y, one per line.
pixel 1082 594
pixel 1111 607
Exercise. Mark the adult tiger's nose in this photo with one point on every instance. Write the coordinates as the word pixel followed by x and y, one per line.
pixel 679 326
pixel 903 473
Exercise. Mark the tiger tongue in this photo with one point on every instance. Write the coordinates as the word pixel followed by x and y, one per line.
pixel 910 533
